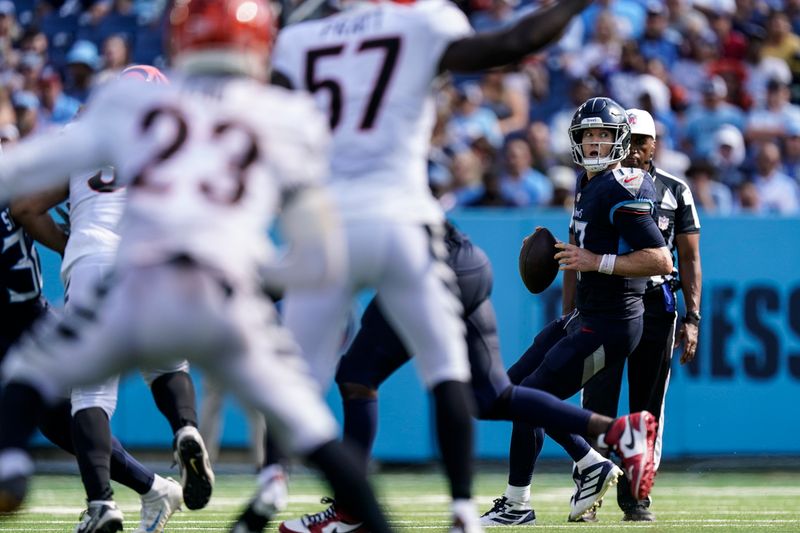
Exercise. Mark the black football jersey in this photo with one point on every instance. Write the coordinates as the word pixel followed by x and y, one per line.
pixel 20 271
pixel 613 215
pixel 675 214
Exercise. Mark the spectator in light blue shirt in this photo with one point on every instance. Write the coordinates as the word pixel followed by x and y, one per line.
pixel 706 118
pixel 778 192
pixel 470 121
pixel 629 14
pixel 521 185
pixel 658 40
pixel 791 151
pixel 57 108
pixel 770 121
pixel 709 194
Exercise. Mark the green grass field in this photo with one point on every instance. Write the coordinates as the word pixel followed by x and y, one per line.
pixel 418 502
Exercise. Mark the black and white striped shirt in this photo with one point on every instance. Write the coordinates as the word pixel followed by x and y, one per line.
pixel 675 214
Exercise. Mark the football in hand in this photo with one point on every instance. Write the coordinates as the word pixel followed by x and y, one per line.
pixel 537 266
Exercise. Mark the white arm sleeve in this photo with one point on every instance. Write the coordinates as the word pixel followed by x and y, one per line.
pixel 46 160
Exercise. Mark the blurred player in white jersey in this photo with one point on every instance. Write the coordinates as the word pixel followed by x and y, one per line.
pixel 208 162
pixel 96 203
pixel 372 68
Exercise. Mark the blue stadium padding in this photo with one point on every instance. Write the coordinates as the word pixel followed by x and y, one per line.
pixel 737 397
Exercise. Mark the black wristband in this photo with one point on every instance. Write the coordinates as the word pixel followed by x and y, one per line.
pixel 692 317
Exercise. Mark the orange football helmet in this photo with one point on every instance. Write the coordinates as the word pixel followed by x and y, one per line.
pixel 234 25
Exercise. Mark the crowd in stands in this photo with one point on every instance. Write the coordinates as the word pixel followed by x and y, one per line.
pixel 720 77
pixel 53 52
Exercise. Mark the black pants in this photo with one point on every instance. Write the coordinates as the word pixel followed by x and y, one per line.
pixel 17 319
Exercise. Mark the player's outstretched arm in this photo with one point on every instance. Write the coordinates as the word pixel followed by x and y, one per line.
pixel 529 34
pixel 45 161
pixel 32 214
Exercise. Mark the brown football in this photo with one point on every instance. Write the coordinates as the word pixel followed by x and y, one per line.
pixel 537 267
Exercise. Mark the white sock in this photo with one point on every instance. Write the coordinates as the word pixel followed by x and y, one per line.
pixel 465 509
pixel 518 494
pixel 110 503
pixel 593 457
pixel 269 472
pixel 156 489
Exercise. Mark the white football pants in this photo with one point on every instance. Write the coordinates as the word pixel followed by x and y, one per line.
pixel 404 263
pixel 156 315
pixel 84 277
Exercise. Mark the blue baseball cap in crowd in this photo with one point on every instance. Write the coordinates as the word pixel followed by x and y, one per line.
pixel 84 53
pixel 25 100
pixel 7 8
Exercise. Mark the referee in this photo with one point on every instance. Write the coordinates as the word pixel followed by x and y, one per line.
pixel 649 364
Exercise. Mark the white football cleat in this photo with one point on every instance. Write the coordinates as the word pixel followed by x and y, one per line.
pixel 329 520
pixel 100 517
pixel 197 478
pixel 158 505
pixel 507 512
pixel 591 484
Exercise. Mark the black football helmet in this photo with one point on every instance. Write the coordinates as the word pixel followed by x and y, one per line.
pixel 600 112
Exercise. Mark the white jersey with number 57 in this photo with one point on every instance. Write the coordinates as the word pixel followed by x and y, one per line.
pixel 205 163
pixel 371 69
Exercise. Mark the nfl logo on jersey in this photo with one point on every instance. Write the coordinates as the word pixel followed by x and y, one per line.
pixel 663 223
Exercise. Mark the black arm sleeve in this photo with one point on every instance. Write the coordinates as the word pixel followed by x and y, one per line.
pixel 529 34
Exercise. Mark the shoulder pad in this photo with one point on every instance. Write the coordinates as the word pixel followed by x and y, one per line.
pixel 630 178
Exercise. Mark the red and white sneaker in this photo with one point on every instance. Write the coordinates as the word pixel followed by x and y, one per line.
pixel 633 438
pixel 328 521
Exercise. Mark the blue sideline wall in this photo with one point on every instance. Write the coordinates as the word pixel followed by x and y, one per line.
pixel 747 369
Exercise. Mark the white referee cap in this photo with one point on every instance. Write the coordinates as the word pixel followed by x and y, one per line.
pixel 641 122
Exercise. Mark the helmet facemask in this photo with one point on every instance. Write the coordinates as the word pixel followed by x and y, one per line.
pixel 620 144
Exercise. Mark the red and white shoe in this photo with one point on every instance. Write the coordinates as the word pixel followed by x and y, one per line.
pixel 331 520
pixel 633 438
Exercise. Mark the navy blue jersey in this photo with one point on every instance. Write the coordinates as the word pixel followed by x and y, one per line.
pixel 613 215
pixel 20 273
